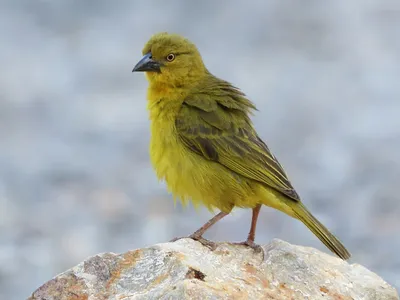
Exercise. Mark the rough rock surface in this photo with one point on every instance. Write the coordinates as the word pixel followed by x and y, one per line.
pixel 187 270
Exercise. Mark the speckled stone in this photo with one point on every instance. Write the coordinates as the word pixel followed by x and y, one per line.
pixel 187 270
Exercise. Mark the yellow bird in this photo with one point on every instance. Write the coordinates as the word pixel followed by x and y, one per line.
pixel 203 143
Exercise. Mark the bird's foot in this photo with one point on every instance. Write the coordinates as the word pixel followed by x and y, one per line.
pixel 257 248
pixel 200 239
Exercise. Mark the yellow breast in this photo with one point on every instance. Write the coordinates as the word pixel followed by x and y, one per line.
pixel 171 161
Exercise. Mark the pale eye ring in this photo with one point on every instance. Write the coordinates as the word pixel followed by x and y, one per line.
pixel 170 57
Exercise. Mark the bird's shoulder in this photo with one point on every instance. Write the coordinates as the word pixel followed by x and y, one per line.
pixel 216 104
pixel 212 93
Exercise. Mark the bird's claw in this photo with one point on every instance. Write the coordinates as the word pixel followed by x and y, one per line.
pixel 200 239
pixel 252 245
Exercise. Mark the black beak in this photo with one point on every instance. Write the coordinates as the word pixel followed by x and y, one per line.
pixel 147 64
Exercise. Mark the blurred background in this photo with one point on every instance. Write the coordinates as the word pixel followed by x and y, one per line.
pixel 75 177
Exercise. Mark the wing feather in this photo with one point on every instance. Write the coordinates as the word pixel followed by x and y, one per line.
pixel 218 128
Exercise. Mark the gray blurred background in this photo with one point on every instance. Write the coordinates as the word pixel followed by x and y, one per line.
pixel 75 177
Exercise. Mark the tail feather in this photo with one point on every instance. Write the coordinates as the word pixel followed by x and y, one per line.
pixel 329 240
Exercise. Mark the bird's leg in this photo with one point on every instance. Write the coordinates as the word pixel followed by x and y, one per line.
pixel 198 234
pixel 252 233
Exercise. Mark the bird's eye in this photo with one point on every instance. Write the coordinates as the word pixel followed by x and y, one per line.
pixel 170 57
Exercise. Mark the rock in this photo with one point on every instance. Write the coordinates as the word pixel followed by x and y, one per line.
pixel 186 269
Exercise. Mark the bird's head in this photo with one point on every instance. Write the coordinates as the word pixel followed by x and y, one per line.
pixel 171 59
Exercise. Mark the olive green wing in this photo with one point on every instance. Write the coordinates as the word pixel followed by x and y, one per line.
pixel 219 129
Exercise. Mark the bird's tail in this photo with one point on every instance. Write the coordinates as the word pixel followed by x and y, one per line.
pixel 329 240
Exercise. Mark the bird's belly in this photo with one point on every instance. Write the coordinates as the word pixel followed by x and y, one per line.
pixel 189 176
